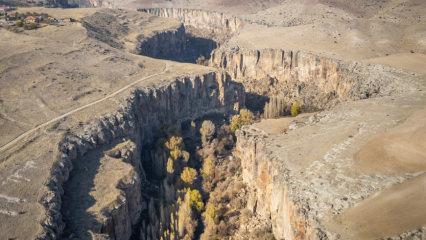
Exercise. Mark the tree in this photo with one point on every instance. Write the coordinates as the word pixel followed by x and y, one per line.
pixel 191 206
pixel 170 167
pixel 244 118
pixel 188 175
pixel 295 109
pixel 210 214
pixel 208 167
pixel 186 223
pixel 207 131
pixel 195 199
pixel 174 143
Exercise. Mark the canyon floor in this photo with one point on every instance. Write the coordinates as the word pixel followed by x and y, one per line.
pixel 351 166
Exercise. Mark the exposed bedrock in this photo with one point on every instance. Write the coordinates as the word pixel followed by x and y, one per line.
pixel 103 159
pixel 269 197
pixel 217 25
pixel 176 44
pixel 317 81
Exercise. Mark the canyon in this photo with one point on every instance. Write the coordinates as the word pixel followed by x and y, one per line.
pixel 350 166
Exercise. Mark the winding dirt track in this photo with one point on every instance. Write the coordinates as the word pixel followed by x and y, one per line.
pixel 24 134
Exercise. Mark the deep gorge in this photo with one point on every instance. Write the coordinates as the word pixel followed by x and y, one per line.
pixel 130 143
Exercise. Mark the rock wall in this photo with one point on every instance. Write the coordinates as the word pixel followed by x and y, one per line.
pixel 170 44
pixel 143 114
pixel 87 3
pixel 214 23
pixel 316 81
pixel 175 44
pixel 269 190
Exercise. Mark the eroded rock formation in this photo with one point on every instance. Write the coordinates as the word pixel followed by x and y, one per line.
pixel 217 25
pixel 317 81
pixel 145 113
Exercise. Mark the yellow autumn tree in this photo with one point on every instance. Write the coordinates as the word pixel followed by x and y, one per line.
pixel 188 175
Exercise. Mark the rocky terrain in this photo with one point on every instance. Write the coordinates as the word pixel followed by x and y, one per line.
pixel 92 112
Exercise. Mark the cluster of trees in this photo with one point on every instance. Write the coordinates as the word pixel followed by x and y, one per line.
pixel 182 178
pixel 244 118
pixel 204 188
pixel 277 107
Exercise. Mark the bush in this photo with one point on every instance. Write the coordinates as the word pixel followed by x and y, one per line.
pixel 188 175
pixel 244 118
pixel 207 131
pixel 19 23
pixel 295 109
pixel 30 26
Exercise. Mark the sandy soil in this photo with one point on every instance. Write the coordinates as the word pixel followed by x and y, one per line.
pixel 387 213
pixel 398 150
pixel 409 61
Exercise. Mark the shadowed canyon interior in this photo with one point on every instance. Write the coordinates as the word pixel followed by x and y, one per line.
pixel 187 123
pixel 146 196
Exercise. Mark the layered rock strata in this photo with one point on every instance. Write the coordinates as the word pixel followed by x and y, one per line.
pixel 317 81
pixel 215 24
pixel 144 114
pixel 302 180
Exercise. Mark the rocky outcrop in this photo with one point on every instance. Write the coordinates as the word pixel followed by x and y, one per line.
pixel 316 81
pixel 269 190
pixel 139 119
pixel 215 24
pixel 169 44
pixel 87 3
pixel 113 206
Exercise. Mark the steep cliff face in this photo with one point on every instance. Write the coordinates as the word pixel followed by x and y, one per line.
pixel 214 24
pixel 104 190
pixel 87 3
pixel 144 114
pixel 316 81
pixel 269 190
pixel 175 44
pixel 169 44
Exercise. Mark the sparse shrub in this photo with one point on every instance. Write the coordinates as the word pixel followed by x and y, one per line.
pixel 188 175
pixel 19 23
pixel 30 26
pixel 244 118
pixel 246 215
pixel 295 109
pixel 207 131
